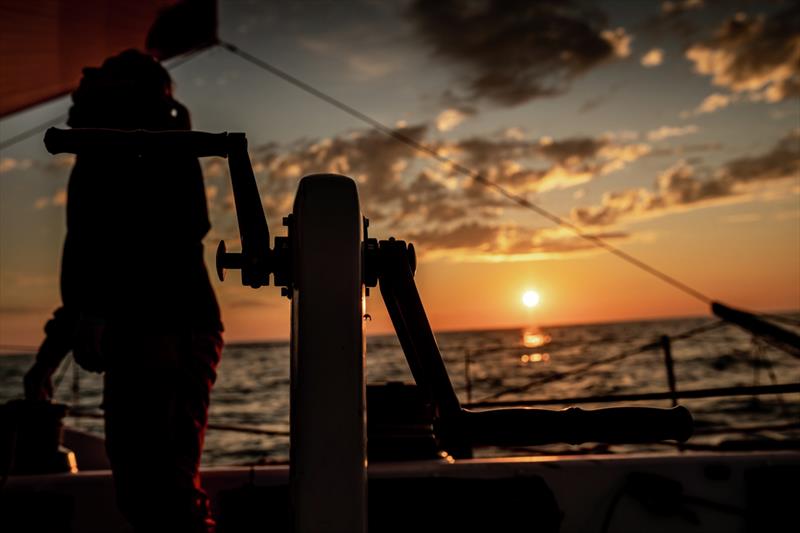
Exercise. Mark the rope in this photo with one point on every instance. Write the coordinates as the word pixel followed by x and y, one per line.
pixel 61 373
pixel 30 132
pixel 519 200
pixel 611 359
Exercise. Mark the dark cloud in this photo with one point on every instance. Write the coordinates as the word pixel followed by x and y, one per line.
pixel 537 166
pixel 476 238
pixel 402 190
pixel 758 55
pixel 471 235
pixel 782 161
pixel 593 103
pixel 374 160
pixel 253 302
pixel 685 150
pixel 574 148
pixel 397 183
pixel 515 50
pixel 599 99
pixel 429 199
pixel 683 185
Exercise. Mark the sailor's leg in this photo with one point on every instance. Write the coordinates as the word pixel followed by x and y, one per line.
pixel 156 397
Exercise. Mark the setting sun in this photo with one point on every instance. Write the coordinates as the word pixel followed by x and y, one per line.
pixel 530 298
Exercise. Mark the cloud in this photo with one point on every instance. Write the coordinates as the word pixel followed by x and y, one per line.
pixel 59 199
pixel 619 40
pixel 599 98
pixel 653 58
pixel 711 103
pixel 793 214
pixel 377 162
pixel 670 7
pixel 57 166
pixel 685 149
pixel 682 185
pixel 315 45
pixel 756 55
pixel 361 65
pixel 675 16
pixel 741 218
pixel 783 161
pixel 402 190
pixel 664 132
pixel 449 119
pixel 252 303
pixel 7 164
pixel 366 68
pixel 547 164
pixel 30 280
pixel 481 241
pixel 512 52
pixel 472 235
pixel 515 133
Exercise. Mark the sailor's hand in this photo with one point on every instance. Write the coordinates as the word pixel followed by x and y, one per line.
pixel 38 382
pixel 88 345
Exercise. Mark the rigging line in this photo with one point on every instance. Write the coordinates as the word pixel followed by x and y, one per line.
pixel 185 58
pixel 782 319
pixel 60 119
pixel 521 201
pixel 30 132
pixel 59 377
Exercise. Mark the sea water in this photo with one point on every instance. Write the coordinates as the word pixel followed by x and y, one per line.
pixel 252 388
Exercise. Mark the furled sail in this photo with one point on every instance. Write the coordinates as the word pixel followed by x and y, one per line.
pixel 44 44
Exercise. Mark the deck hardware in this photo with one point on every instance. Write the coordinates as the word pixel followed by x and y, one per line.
pixel 457 429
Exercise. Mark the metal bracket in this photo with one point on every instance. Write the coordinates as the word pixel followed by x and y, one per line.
pixel 256 260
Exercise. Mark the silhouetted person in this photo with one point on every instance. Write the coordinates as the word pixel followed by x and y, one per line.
pixel 137 302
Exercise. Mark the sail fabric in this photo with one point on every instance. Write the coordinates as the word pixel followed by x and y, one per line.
pixel 44 44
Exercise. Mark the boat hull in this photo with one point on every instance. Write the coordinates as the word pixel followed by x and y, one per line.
pixel 648 492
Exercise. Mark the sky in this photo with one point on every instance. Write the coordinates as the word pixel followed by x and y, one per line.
pixel 670 129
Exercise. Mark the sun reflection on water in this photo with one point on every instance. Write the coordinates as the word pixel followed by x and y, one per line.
pixel 535 358
pixel 534 339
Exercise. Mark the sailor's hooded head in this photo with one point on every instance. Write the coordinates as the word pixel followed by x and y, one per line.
pixel 129 91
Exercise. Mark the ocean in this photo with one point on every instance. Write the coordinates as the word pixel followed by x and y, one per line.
pixel 252 388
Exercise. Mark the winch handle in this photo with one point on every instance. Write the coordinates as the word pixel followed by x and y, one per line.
pixel 614 425
pixel 254 259
pixel 136 142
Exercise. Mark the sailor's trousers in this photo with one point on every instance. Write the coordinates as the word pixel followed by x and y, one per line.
pixel 156 399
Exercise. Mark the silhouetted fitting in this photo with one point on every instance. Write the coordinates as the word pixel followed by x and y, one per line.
pixel 226 260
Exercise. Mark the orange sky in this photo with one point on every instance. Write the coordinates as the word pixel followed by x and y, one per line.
pixel 679 146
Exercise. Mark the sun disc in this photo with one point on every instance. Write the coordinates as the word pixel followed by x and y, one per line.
pixel 530 298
